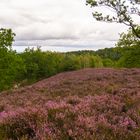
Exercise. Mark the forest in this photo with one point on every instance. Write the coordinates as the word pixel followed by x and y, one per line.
pixel 33 64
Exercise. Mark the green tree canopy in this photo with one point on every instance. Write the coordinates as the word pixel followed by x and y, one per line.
pixel 124 9
pixel 128 39
pixel 131 55
pixel 6 38
pixel 11 64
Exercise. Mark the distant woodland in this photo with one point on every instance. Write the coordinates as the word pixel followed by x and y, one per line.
pixel 33 64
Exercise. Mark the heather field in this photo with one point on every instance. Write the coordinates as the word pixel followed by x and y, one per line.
pixel 88 104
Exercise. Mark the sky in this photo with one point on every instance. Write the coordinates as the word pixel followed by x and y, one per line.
pixel 64 25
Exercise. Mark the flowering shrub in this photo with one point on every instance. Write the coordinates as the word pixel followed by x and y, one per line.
pixel 29 114
pixel 21 123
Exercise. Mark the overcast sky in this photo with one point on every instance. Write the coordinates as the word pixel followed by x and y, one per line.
pixel 58 25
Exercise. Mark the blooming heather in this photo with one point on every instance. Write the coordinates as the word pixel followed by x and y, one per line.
pixel 100 107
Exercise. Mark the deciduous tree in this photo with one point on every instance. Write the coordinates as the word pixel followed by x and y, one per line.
pixel 123 9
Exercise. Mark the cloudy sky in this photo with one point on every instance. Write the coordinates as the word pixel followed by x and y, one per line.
pixel 57 25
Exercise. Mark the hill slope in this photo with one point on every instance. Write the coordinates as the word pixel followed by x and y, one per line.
pixel 86 104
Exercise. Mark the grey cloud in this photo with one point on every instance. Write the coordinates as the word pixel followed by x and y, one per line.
pixel 56 23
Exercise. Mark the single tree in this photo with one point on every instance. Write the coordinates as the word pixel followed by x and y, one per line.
pixel 128 39
pixel 11 64
pixel 130 45
pixel 6 38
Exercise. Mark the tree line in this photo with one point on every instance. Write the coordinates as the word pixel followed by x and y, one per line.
pixel 34 64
